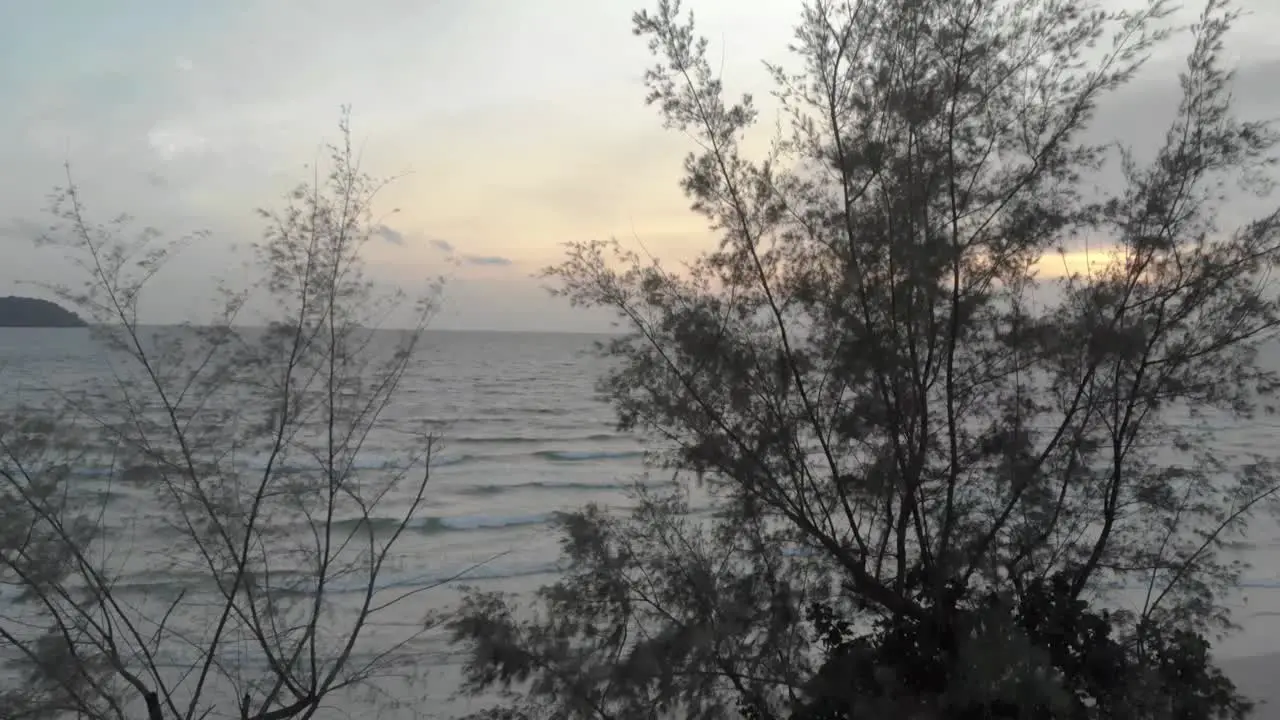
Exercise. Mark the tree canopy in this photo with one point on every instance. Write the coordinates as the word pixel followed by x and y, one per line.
pixel 34 312
pixel 1005 491
pixel 232 462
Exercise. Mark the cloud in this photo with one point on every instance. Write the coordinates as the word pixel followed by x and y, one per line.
pixel 416 239
pixel 172 142
pixel 486 260
pixel 452 256
pixel 190 120
pixel 390 234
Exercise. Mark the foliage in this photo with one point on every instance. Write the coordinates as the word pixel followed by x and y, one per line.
pixel 890 409
pixel 241 446
pixel 33 312
pixel 1044 654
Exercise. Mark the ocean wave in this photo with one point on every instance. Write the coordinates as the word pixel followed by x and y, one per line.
pixel 479 571
pixel 488 413
pixel 170 584
pixel 502 488
pixel 557 456
pixel 250 464
pixel 588 455
pixel 450 461
pixel 528 439
pixel 374 462
pixel 432 524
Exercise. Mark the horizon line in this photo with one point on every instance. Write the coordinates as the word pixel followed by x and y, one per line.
pixel 91 326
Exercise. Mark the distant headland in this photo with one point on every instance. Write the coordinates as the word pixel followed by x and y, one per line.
pixel 35 313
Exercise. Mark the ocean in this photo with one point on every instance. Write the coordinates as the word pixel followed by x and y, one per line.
pixel 524 437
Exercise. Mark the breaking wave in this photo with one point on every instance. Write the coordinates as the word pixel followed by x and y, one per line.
pixel 430 525
pixel 586 456
pixel 527 439
pixel 372 462
pixel 553 486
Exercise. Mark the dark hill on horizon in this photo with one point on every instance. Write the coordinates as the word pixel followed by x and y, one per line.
pixel 35 313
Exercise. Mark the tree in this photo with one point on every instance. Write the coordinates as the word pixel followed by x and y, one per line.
pixel 902 424
pixel 241 450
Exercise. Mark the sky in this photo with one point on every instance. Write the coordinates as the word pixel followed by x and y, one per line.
pixel 514 126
